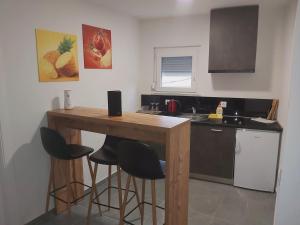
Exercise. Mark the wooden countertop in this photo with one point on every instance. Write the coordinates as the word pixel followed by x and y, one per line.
pixel 127 119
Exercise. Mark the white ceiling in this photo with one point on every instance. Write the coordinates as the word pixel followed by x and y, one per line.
pixel 145 9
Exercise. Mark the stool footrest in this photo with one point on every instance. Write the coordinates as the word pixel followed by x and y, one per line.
pixel 52 193
pixel 108 206
pixel 141 203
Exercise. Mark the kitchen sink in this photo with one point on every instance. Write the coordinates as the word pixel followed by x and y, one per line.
pixel 195 117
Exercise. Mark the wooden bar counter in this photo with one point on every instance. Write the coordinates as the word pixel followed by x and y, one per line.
pixel 173 132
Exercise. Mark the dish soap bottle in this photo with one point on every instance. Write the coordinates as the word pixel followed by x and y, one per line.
pixel 219 110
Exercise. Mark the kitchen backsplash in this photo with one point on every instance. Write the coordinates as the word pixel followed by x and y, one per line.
pixel 242 106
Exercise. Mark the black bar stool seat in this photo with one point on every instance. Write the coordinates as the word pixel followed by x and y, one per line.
pixel 163 167
pixel 56 146
pixel 105 156
pixel 140 160
pixel 78 151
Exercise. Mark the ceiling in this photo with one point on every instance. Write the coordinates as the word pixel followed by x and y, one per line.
pixel 145 9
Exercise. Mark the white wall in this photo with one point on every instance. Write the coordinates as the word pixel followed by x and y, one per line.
pixel 2 203
pixel 2 207
pixel 288 29
pixel 26 101
pixel 287 204
pixel 194 30
pixel 7 175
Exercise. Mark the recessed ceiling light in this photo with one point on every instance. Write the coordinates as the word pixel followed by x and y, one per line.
pixel 184 1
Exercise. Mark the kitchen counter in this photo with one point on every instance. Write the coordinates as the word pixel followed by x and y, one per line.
pixel 246 124
pixel 227 121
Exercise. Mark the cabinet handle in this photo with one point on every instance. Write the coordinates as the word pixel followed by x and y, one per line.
pixel 216 130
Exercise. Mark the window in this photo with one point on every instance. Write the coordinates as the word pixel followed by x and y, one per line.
pixel 175 69
pixel 176 72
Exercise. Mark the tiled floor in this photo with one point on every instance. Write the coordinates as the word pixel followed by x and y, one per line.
pixel 209 204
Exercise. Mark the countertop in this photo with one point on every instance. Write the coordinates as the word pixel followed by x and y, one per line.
pixel 231 121
pixel 247 124
pixel 127 119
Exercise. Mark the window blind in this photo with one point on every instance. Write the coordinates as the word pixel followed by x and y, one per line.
pixel 182 64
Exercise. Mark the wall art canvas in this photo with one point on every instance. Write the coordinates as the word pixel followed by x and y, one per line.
pixel 97 47
pixel 57 56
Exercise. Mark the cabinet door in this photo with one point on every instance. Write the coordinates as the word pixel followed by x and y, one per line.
pixel 233 39
pixel 256 159
pixel 212 151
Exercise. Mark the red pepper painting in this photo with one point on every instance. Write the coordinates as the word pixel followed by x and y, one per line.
pixel 97 47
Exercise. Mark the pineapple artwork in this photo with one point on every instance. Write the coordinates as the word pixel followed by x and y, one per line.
pixel 97 47
pixel 57 56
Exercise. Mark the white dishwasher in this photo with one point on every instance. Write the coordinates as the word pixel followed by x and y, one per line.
pixel 256 157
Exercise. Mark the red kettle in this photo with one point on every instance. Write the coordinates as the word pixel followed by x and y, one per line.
pixel 173 106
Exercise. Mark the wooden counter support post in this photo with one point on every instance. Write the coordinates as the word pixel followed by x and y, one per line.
pixel 177 179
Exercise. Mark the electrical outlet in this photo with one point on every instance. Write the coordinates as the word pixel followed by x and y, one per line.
pixel 223 104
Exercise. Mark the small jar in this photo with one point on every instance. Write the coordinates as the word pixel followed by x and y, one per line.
pixel 67 99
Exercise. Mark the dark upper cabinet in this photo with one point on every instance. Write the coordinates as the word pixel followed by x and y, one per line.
pixel 233 39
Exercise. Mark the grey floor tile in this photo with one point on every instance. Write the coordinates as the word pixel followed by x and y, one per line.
pixel 78 215
pixel 103 220
pixel 260 213
pixel 205 197
pixel 216 221
pixel 209 204
pixel 197 218
pixel 206 204
pixel 232 209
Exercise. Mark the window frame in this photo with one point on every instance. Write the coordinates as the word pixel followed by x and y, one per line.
pixel 160 52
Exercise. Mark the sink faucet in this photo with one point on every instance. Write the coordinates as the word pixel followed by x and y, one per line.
pixel 194 110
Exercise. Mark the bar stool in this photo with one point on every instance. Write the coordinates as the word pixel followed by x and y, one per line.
pixel 56 146
pixel 139 160
pixel 107 155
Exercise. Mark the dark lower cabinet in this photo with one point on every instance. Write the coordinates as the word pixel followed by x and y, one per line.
pixel 212 152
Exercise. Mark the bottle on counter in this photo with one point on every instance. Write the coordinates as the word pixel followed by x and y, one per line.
pixel 219 110
pixel 152 106
pixel 156 106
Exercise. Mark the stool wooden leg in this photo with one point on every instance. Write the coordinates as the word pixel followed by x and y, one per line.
pixel 119 187
pixel 94 174
pixel 109 188
pixel 137 194
pixel 68 179
pixel 125 200
pixel 143 200
pixel 153 190
pixel 93 178
pixel 73 194
pixel 74 179
pixel 50 183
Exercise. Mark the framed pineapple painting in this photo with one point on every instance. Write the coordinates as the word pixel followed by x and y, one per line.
pixel 57 56
pixel 97 47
